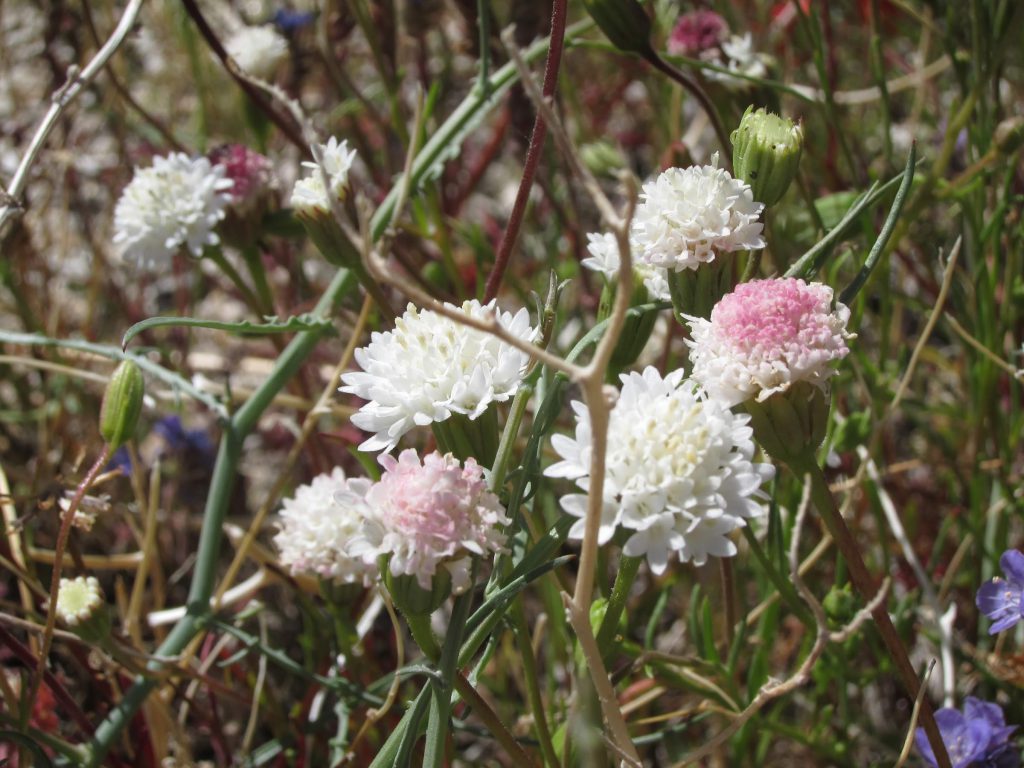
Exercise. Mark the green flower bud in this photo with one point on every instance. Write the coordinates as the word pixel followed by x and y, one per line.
pixel 840 605
pixel 766 153
pixel 410 597
pixel 790 425
pixel 602 158
pixel 1009 135
pixel 624 22
pixel 122 405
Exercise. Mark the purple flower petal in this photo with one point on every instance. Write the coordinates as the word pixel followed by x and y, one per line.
pixel 1012 563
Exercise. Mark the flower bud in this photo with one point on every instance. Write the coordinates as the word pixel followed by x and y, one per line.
pixel 602 158
pixel 410 597
pixel 465 437
pixel 790 425
pixel 840 605
pixel 624 22
pixel 1009 135
pixel 766 153
pixel 122 405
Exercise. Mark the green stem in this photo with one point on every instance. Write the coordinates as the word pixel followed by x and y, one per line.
pixel 419 626
pixel 259 277
pixel 782 584
pixel 440 708
pixel 628 567
pixel 865 584
pixel 221 486
pixel 532 679
pixel 216 255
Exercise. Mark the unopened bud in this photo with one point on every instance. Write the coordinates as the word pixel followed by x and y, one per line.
pixel 1009 135
pixel 122 405
pixel 766 153
pixel 624 22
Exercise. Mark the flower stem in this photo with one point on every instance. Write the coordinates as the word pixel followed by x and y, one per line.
pixel 865 584
pixel 624 578
pixel 58 562
pixel 440 708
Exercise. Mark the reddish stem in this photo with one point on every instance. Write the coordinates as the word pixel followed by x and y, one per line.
pixel 540 130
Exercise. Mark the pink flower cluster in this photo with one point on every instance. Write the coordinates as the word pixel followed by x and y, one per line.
pixel 250 171
pixel 696 32
pixel 766 335
pixel 432 513
pixel 424 515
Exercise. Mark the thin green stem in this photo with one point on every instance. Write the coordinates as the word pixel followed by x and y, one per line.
pixel 782 584
pixel 532 680
pixel 216 255
pixel 440 707
pixel 624 578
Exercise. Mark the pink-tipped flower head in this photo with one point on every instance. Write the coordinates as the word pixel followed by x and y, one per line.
pixel 249 171
pixel 431 514
pixel 696 32
pixel 767 335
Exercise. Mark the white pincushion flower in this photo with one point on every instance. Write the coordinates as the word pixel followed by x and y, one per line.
pixel 604 258
pixel 174 203
pixel 318 526
pixel 309 197
pixel 258 50
pixel 430 367
pixel 78 600
pixel 738 55
pixel 767 335
pixel 688 216
pixel 678 477
pixel 431 515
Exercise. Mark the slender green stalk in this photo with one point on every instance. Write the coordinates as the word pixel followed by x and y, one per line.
pixel 532 681
pixel 216 255
pixel 624 578
pixel 440 707
pixel 781 583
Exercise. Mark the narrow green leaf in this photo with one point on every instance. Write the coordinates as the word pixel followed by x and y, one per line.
pixel 306 322
pixel 875 254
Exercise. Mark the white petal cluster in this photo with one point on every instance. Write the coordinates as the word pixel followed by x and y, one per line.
pixel 431 514
pixel 258 50
pixel 679 476
pixel 175 203
pixel 78 599
pixel 764 336
pixel 309 196
pixel 689 215
pixel 604 258
pixel 318 525
pixel 738 55
pixel 430 367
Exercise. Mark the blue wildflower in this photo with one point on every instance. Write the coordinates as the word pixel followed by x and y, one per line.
pixel 976 738
pixel 288 20
pixel 1000 599
pixel 177 438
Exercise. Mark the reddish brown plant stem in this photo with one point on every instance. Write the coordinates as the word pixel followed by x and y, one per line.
pixel 540 130
pixel 290 131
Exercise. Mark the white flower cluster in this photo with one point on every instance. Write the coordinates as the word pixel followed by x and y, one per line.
pixel 679 474
pixel 604 258
pixel 737 55
pixel 309 196
pixel 258 50
pixel 430 367
pixel 688 216
pixel 318 525
pixel 175 203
